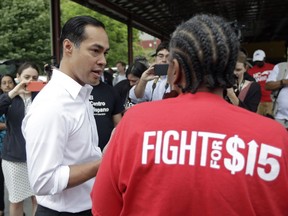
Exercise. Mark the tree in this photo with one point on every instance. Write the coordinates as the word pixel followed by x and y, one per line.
pixel 25 30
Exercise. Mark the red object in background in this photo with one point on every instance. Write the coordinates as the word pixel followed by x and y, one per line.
pixel 35 86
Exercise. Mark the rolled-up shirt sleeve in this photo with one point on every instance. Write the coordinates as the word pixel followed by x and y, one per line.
pixel 48 172
pixel 273 74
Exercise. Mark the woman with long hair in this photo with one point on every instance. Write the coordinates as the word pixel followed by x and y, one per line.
pixel 15 104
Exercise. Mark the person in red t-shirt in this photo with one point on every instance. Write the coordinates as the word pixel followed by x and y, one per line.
pixel 195 154
pixel 260 71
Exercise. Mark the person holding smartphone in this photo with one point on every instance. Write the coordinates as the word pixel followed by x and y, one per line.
pixel 152 87
pixel 15 104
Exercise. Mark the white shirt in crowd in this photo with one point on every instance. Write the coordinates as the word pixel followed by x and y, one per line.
pixel 282 102
pixel 60 130
pixel 118 78
pixel 155 89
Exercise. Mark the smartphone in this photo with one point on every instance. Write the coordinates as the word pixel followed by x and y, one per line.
pixel 35 86
pixel 160 69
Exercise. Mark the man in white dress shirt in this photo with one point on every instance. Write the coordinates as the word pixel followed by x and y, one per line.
pixel 278 81
pixel 63 156
pixel 121 74
pixel 151 87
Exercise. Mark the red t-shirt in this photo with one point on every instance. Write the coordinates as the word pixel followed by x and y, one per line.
pixel 261 74
pixel 193 155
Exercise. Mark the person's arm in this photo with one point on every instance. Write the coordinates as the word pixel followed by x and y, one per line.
pixel 49 172
pixel 5 102
pixel 18 89
pixel 232 96
pixel 140 88
pixel 2 126
pixel 117 118
pixel 145 77
pixel 82 172
pixel 107 190
pixel 275 85
pixel 6 98
pixel 118 107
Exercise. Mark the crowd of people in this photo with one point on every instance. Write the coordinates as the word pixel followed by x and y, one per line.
pixel 199 140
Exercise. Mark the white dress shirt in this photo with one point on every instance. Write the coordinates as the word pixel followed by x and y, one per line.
pixel 60 130
pixel 282 102
pixel 150 94
pixel 118 78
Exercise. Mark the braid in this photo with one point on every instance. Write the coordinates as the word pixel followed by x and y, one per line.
pixel 186 71
pixel 222 50
pixel 189 45
pixel 234 50
pixel 206 48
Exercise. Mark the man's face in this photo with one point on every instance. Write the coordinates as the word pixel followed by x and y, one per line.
pixel 88 60
pixel 239 69
pixel 259 63
pixel 162 57
pixel 120 68
pixel 133 80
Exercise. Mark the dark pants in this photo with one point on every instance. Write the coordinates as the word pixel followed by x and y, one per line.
pixel 43 211
pixel 2 203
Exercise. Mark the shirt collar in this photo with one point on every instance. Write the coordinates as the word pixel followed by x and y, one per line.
pixel 71 86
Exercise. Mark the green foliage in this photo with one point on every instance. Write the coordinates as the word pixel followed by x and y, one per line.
pixel 25 30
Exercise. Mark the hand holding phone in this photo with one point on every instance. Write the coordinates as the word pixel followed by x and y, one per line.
pixel 160 69
pixel 35 86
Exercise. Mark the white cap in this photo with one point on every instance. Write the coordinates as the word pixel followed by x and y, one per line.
pixel 259 55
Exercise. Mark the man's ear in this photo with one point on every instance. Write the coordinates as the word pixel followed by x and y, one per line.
pixel 67 47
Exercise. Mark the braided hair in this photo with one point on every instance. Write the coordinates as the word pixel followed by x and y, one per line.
pixel 206 48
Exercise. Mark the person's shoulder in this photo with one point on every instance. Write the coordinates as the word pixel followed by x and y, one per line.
pixel 248 76
pixel 281 67
pixel 101 85
pixel 254 84
pixel 107 74
pixel 252 70
pixel 122 83
pixel 264 124
pixel 101 89
pixel 105 85
pixel 108 89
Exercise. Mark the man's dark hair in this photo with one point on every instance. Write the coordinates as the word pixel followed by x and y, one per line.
pixel 74 29
pixel 161 46
pixel 122 63
pixel 206 47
